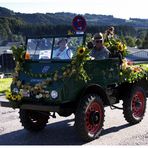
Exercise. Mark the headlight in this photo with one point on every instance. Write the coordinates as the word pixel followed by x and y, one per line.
pixel 54 94
pixel 15 90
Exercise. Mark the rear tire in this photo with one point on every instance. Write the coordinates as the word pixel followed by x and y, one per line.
pixel 134 105
pixel 89 117
pixel 33 120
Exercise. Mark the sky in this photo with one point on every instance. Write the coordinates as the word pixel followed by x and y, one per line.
pixel 118 8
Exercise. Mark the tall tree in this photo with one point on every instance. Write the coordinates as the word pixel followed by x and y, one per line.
pixel 145 42
pixel 130 41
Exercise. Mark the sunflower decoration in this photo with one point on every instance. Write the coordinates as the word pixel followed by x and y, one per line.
pixel 8 95
pixel 78 62
pixel 14 97
pixel 81 51
pixel 121 47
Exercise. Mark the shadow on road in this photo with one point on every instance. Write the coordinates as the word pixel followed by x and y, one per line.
pixel 59 133
pixel 115 129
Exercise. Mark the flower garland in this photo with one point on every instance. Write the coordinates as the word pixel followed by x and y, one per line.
pixel 131 73
pixel 82 55
pixel 39 90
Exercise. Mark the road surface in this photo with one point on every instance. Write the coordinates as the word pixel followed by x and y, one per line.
pixel 61 131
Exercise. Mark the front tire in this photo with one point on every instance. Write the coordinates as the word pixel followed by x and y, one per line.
pixel 134 105
pixel 33 120
pixel 89 117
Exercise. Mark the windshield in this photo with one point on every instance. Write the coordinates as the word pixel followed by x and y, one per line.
pixel 39 48
pixel 53 47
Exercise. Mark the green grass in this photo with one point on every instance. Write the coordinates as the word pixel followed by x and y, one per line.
pixel 5 84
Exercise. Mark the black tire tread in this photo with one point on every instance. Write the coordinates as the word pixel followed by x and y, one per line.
pixel 79 120
pixel 127 103
pixel 28 125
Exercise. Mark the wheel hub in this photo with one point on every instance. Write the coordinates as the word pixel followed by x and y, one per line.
pixel 94 117
pixel 138 104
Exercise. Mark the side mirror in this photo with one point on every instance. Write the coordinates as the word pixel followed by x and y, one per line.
pixel 90 45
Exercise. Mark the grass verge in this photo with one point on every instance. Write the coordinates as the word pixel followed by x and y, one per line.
pixel 5 84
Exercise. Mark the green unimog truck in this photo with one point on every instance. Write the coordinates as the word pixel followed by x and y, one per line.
pixel 44 85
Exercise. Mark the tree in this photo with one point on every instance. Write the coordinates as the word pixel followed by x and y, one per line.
pixel 130 41
pixel 145 42
pixel 139 43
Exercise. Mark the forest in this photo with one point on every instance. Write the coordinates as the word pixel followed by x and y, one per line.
pixel 15 27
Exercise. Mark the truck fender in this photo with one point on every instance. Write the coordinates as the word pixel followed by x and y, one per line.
pixel 97 89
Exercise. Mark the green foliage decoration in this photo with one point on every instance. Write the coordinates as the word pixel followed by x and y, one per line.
pixel 132 73
pixel 76 67
pixel 114 43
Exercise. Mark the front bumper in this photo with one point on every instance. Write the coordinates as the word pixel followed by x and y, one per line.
pixel 49 108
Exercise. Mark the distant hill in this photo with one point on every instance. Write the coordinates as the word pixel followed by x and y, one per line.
pixel 6 12
pixel 62 18
pixel 15 27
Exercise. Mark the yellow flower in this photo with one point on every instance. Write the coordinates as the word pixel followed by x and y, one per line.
pixel 106 44
pixel 73 70
pixel 73 62
pixel 47 96
pixel 8 95
pixel 44 95
pixel 14 97
pixel 65 73
pixel 19 83
pixel 124 47
pixel 124 64
pixel 69 32
pixel 38 87
pixel 17 68
pixel 81 50
pixel 68 71
pixel 137 69
pixel 119 46
pixel 19 97
pixel 55 77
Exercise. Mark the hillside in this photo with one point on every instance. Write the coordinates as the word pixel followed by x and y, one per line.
pixel 14 27
pixel 66 18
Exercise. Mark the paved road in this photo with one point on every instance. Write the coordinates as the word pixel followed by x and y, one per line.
pixel 60 131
